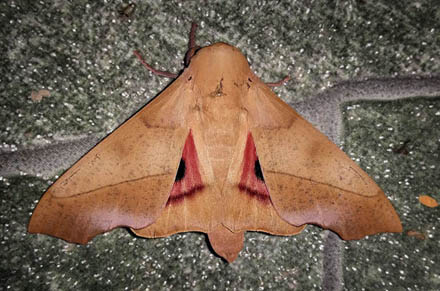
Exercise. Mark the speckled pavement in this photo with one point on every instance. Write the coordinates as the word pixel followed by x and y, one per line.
pixel 366 74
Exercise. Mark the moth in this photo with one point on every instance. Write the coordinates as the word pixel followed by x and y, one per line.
pixel 216 152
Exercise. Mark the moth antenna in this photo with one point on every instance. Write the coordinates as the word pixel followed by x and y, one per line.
pixel 279 83
pixel 153 70
pixel 192 46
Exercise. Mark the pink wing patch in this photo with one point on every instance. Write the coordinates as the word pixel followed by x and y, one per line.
pixel 252 180
pixel 188 180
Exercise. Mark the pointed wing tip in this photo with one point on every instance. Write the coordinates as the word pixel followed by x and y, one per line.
pixel 359 236
pixel 37 228
pixel 81 241
pixel 390 224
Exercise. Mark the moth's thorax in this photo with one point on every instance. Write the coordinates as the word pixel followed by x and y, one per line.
pixel 220 76
pixel 219 69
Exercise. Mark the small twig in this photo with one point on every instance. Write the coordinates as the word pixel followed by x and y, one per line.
pixel 153 70
pixel 279 83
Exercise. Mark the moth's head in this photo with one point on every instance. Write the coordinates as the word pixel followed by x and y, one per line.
pixel 219 65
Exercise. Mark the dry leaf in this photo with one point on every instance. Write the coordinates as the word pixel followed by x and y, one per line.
pixel 416 234
pixel 428 201
pixel 38 96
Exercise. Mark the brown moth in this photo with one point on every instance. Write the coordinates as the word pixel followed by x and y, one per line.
pixel 216 152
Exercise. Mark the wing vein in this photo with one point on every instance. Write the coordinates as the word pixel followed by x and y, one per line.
pixel 317 182
pixel 111 185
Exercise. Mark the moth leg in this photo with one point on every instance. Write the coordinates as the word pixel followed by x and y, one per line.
pixel 279 83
